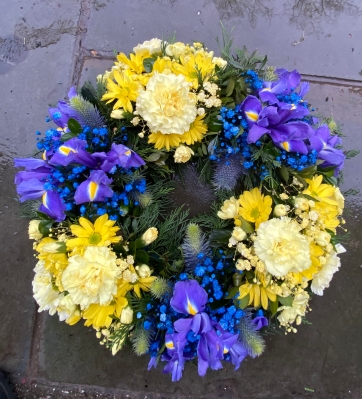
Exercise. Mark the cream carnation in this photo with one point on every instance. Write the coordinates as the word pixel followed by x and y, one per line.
pixel 66 307
pixel 167 104
pixel 91 278
pixel 44 293
pixel 322 279
pixel 282 248
pixel 230 209
pixel 148 47
pixel 290 313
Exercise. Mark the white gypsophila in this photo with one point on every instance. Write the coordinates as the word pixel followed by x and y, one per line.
pixel 322 279
pixel 167 105
pixel 281 247
pixel 92 277
pixel 44 293
pixel 149 46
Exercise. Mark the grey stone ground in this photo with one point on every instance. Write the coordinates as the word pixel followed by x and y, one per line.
pixel 47 45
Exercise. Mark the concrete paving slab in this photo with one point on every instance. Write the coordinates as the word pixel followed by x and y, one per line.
pixel 318 37
pixel 36 46
pixel 324 357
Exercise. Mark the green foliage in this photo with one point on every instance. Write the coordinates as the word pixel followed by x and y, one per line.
pixel 210 220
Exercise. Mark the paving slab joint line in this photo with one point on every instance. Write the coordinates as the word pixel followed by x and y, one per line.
pixel 117 392
pixel 37 334
pixel 333 81
pixel 82 29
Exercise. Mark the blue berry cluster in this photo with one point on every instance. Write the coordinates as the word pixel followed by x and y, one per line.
pixel 297 161
pixel 252 80
pixel 51 142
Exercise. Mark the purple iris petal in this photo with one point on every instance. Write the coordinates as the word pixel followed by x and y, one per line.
pixel 255 133
pixel 123 156
pixel 30 189
pixel 188 297
pixel 53 206
pixel 94 189
pixel 260 322
pixel 183 325
pixel 71 151
pixel 304 88
pixel 30 163
pixel 31 174
pixel 251 108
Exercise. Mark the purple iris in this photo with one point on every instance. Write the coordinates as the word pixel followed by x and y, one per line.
pixel 34 169
pixel 287 83
pixel 63 112
pixel 94 189
pixel 189 298
pixel 273 120
pixel 74 151
pixel 324 143
pixel 260 322
pixel 123 156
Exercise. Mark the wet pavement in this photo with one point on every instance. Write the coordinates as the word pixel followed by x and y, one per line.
pixel 47 45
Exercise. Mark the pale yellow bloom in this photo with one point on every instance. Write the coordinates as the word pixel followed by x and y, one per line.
pixel 150 235
pixel 183 154
pixel 33 230
pixel 230 209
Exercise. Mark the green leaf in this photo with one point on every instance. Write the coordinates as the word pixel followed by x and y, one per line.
pixel 218 237
pixel 230 87
pixel 140 243
pixel 283 170
pixel 243 303
pixel 148 64
pixel 67 136
pixel 232 292
pixel 308 172
pixel 44 216
pixel 246 226
pixel 132 248
pixel 309 197
pixel 142 257
pixel 44 227
pixel 155 156
pixel 74 126
pixel 288 301
pixel 204 149
pixel 273 307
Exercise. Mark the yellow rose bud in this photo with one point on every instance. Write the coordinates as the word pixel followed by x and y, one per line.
pixel 280 210
pixel 230 209
pixel 182 154
pixel 144 271
pixel 150 235
pixel 117 114
pixel 301 203
pixel 127 315
pixel 323 238
pixel 238 233
pixel 34 233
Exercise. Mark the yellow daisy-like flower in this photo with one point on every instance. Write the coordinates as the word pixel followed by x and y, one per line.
pixel 99 315
pixel 259 294
pixel 197 131
pixel 193 65
pixel 101 233
pixel 255 207
pixel 323 193
pixel 54 262
pixel 315 252
pixel 135 283
pixel 124 90
pixel 134 62
pixel 195 134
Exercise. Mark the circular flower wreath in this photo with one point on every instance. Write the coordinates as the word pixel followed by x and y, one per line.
pixel 114 251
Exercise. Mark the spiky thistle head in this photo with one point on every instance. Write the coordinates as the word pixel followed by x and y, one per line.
pixel 228 171
pixel 195 243
pixel 269 74
pixel 159 287
pixel 88 113
pixel 250 337
pixel 141 341
pixel 144 199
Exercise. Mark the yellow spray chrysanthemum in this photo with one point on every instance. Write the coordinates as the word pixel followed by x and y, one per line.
pixel 195 66
pixel 100 315
pixel 315 253
pixel 196 133
pixel 124 90
pixel 54 260
pixel 132 281
pixel 323 193
pixel 134 62
pixel 259 294
pixel 101 233
pixel 255 207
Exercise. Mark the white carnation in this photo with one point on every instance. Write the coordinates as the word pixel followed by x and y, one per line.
pixel 322 279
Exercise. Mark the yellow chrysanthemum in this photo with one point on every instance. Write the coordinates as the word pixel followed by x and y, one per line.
pixel 99 315
pixel 54 262
pixel 315 252
pixel 194 65
pixel 101 233
pixel 124 90
pixel 164 140
pixel 135 283
pixel 196 133
pixel 255 207
pixel 258 294
pixel 161 65
pixel 134 62
pixel 323 193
